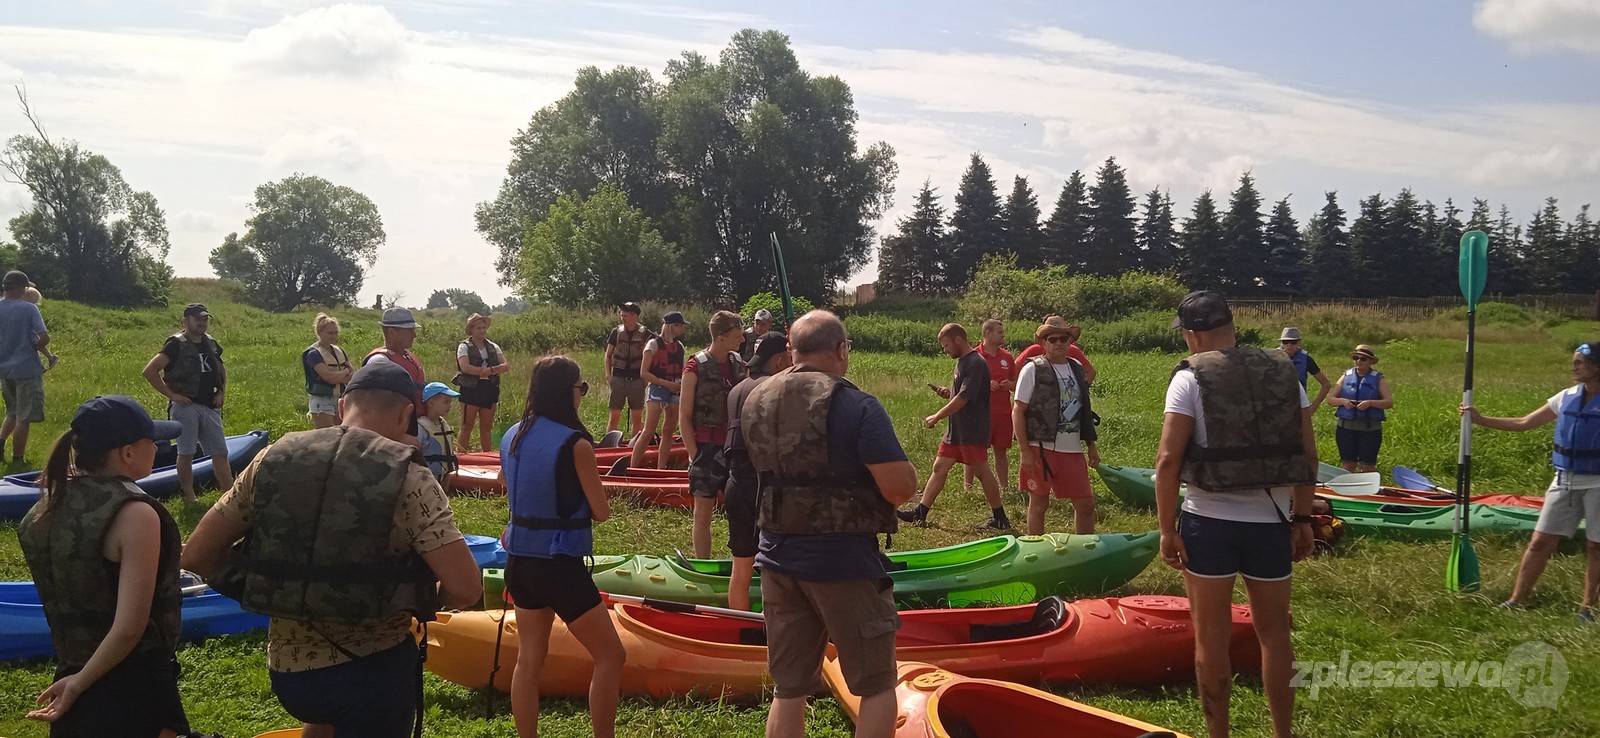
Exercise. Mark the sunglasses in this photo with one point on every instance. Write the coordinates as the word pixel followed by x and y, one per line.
pixel 1297 343
pixel 1058 339
pixel 583 388
pixel 1360 357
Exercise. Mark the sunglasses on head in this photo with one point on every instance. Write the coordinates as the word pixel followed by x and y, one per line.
pixel 583 388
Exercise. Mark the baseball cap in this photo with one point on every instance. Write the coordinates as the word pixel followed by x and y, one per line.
pixel 768 345
pixel 630 307
pixel 383 375
pixel 196 310
pixel 763 314
pixel 673 318
pixel 114 421
pixel 437 388
pixel 15 278
pixel 1203 310
pixel 399 318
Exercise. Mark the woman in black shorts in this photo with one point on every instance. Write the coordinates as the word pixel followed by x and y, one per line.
pixel 479 362
pixel 1362 396
pixel 553 486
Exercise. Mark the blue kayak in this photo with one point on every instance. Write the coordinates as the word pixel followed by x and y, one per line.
pixel 487 551
pixel 24 633
pixel 18 492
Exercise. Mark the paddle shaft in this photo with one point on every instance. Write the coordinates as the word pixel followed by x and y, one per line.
pixel 671 606
pixel 1464 455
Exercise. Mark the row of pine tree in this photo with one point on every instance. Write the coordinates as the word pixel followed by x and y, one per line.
pixel 1399 247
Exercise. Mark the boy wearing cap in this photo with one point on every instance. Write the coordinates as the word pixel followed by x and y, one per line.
pixel 770 356
pixel 1289 341
pixel 1238 432
pixel 662 369
pixel 434 431
pixel 624 357
pixel 1053 417
pixel 22 337
pixel 761 325
pixel 966 439
pixel 189 372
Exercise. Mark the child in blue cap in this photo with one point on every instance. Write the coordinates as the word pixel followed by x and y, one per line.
pixel 438 448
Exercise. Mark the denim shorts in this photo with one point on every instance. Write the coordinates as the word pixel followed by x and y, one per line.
pixel 1222 549
pixel 657 393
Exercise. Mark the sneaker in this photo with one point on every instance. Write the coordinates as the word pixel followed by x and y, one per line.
pixel 1587 616
pixel 994 525
pixel 915 516
pixel 1509 605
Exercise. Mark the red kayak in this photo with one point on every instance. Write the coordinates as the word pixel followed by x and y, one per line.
pixel 604 456
pixel 667 487
pixel 1430 499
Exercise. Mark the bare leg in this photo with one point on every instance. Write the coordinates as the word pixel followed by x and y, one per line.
pixel 1209 601
pixel 469 415
pixel 1540 548
pixel 642 443
pixel 634 415
pixel 1591 582
pixel 787 717
pixel 739 584
pixel 991 485
pixel 19 440
pixel 6 428
pixel 223 472
pixel 616 420
pixel 936 479
pixel 486 428
pixel 1349 466
pixel 186 476
pixel 704 508
pixel 1269 605
pixel 878 715
pixel 669 426
pixel 1038 503
pixel 313 730
pixel 1002 465
pixel 1083 515
pixel 533 642
pixel 598 636
pixel 1367 467
pixel 324 420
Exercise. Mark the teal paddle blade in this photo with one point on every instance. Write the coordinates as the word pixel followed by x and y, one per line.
pixel 1461 573
pixel 1474 272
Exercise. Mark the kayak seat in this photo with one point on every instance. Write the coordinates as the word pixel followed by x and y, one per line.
pixel 612 439
pixel 756 636
pixel 1047 617
pixel 1402 509
pixel 620 467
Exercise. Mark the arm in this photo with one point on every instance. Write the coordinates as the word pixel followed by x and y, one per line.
pixel 645 360
pixel 208 545
pixel 589 475
pixel 1322 394
pixel 1543 416
pixel 1086 429
pixel 611 348
pixel 460 579
pixel 331 375
pixel 950 408
pixel 686 412
pixel 41 340
pixel 1019 431
pixel 152 374
pixel 1386 398
pixel 222 384
pixel 1176 430
pixel 896 480
pixel 1334 398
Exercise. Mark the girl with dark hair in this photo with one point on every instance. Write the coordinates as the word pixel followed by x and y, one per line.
pixel 553 486
pixel 104 556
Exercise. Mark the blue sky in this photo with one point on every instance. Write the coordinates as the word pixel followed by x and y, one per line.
pixel 413 102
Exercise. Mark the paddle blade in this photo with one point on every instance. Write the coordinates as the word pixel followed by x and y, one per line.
pixel 1461 573
pixel 1406 478
pixel 1365 484
pixel 1326 472
pixel 1474 272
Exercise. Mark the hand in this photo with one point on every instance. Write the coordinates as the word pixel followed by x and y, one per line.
pixel 1030 461
pixel 930 421
pixel 1470 410
pixel 180 400
pixel 1094 456
pixel 1363 405
pixel 676 387
pixel 57 699
pixel 942 392
pixel 1007 384
pixel 1304 541
pixel 1172 551
pixel 993 385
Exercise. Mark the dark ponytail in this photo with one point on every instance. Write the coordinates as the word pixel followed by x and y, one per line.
pixel 65 458
pixel 550 396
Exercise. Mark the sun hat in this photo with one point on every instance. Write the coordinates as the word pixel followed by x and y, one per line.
pixel 1055 324
pixel 1290 334
pixel 475 317
pixel 1366 351
pixel 114 421
pixel 1203 310
pixel 399 318
pixel 434 389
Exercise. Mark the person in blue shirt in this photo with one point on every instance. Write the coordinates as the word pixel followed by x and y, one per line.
pixel 22 336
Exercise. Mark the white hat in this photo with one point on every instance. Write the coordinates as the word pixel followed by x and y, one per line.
pixel 1289 334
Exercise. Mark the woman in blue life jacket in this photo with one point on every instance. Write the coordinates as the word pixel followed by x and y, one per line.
pixel 1361 396
pixel 1574 495
pixel 553 486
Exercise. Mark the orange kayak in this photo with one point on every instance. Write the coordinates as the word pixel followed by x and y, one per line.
pixel 935 703
pixel 605 456
pixel 669 487
pixel 1415 498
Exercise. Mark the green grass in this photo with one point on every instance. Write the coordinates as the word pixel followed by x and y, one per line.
pixel 1377 600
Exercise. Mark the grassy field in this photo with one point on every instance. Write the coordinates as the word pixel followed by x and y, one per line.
pixel 1376 600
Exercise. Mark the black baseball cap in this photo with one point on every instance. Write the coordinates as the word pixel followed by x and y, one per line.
pixel 383 375
pixel 768 345
pixel 1203 311
pixel 630 307
pixel 195 310
pixel 673 318
pixel 114 421
pixel 15 278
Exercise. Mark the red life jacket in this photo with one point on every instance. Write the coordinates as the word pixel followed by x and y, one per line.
pixel 405 360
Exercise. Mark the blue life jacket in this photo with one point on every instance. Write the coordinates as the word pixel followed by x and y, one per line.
pixel 1360 388
pixel 1301 360
pixel 545 521
pixel 1578 436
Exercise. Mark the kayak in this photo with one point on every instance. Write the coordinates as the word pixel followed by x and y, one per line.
pixel 666 487
pixel 1135 487
pixel 1004 570
pixel 24 633
pixel 1414 522
pixel 487 551
pixel 935 703
pixel 18 492
pixel 604 456
pixel 1131 641
pixel 1132 485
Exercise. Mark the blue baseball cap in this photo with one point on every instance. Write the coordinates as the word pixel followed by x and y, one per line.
pixel 438 388
pixel 114 421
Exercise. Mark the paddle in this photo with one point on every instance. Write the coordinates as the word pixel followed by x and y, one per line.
pixel 1365 484
pixel 670 606
pixel 1407 478
pixel 783 282
pixel 1326 472
pixel 1461 571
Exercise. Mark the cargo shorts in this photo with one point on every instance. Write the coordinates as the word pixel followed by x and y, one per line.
pixel 627 391
pixel 857 615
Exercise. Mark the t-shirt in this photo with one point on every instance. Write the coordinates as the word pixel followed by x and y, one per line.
pixel 481 356
pixel 20 324
pixel 1183 398
pixel 1001 368
pixel 712 434
pixel 1073 352
pixel 970 425
pixel 859 433
pixel 209 378
pixel 1068 437
pixel 423 522
pixel 1312 368
pixel 1556 402
pixel 315 355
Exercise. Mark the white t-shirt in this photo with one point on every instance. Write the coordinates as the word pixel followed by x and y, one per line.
pixel 464 347
pixel 1183 397
pixel 1572 481
pixel 1071 400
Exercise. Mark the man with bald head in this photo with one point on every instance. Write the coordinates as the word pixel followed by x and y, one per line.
pixel 831 474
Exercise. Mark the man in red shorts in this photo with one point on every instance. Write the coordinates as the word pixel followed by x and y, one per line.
pixel 1002 379
pixel 1052 418
pixel 966 438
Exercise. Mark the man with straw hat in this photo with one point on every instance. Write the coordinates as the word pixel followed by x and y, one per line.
pixel 1052 416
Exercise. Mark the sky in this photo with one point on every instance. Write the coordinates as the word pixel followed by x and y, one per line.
pixel 414 102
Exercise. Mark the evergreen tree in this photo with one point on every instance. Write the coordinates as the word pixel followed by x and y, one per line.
pixel 1200 241
pixel 1286 253
pixel 1583 242
pixel 1067 231
pixel 1244 252
pixel 1402 267
pixel 1328 250
pixel 1111 247
pixel 1447 250
pixel 1368 239
pixel 912 258
pixel 976 228
pixel 1157 238
pixel 1508 270
pixel 1024 237
pixel 1545 252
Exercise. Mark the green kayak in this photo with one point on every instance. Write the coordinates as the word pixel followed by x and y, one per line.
pixel 1412 522
pixel 1133 486
pixel 1005 570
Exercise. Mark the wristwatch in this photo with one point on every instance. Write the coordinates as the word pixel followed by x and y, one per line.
pixel 1302 519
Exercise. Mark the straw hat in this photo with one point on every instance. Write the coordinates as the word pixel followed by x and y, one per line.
pixel 1366 351
pixel 1054 324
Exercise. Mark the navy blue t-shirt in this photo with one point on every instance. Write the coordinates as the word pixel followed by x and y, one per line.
pixel 859 433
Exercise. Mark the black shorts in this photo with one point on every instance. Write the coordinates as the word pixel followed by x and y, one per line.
pixel 708 471
pixel 1222 549
pixel 485 394
pixel 138 698
pixel 739 502
pixel 372 697
pixel 561 583
pixel 1358 446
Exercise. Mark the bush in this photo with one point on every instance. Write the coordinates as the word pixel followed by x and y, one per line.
pixel 769 301
pixel 1000 290
pixel 906 307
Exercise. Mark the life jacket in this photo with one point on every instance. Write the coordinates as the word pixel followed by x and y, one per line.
pixel 335 358
pixel 546 520
pixel 1251 402
pixel 629 350
pixel 1302 363
pixel 735 450
pixel 711 391
pixel 1578 435
pixel 438 449
pixel 1358 388
pixel 78 586
pixel 785 427
pixel 405 360
pixel 319 546
pixel 194 367
pixel 489 356
pixel 667 363
pixel 1043 415
pixel 1326 533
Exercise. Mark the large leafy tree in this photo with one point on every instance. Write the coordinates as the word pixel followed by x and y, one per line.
pixel 597 250
pixel 977 226
pixel 1111 244
pixel 1583 253
pixel 1067 231
pixel 308 241
pixel 1023 235
pixel 1201 241
pixel 911 260
pixel 459 299
pixel 1244 250
pixel 1157 238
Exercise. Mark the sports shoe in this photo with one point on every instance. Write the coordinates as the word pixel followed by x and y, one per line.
pixel 916 515
pixel 1509 605
pixel 1587 616
pixel 994 525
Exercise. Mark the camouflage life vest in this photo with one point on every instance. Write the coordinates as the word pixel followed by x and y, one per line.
pixel 629 350
pixel 1251 399
pixel 185 373
pixel 1043 415
pixel 78 586
pixel 322 520
pixel 785 428
pixel 711 392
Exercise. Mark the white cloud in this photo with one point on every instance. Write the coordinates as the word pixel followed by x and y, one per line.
pixel 1560 162
pixel 340 39
pixel 1542 25
pixel 339 148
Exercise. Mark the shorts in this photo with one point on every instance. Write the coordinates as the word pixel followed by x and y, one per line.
pixel 1358 446
pixel 1565 508
pixel 24 399
pixel 739 502
pixel 484 394
pixel 373 697
pixel 138 697
pixel 202 425
pixel 627 391
pixel 1064 473
pixel 657 393
pixel 1000 431
pixel 708 471
pixel 857 615
pixel 1222 549
pixel 320 405
pixel 964 453
pixel 560 583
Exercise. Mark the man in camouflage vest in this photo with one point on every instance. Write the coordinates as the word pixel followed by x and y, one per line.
pixel 342 536
pixel 189 372
pixel 831 473
pixel 1238 432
